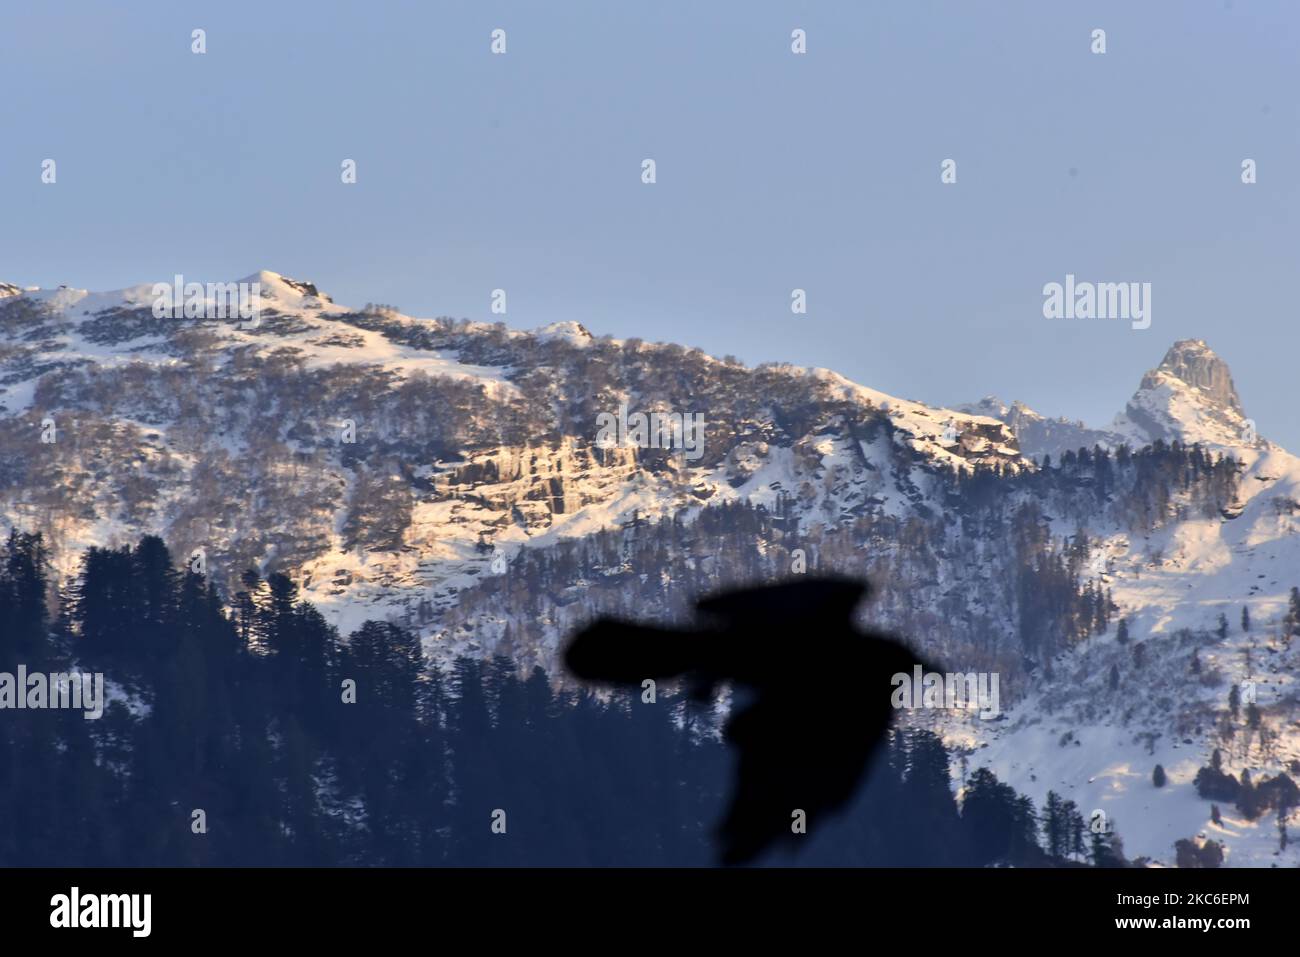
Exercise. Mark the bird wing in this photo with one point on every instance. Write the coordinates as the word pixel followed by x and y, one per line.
pixel 611 651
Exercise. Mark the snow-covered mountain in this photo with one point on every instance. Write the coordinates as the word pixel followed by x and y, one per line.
pixel 1098 744
pixel 1190 397
pixel 388 462
pixel 447 475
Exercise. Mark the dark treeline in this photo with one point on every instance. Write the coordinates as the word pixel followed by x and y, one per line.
pixel 244 714
pixel 1139 489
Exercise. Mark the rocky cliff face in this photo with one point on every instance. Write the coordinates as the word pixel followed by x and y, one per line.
pixel 1194 364
pixel 1190 396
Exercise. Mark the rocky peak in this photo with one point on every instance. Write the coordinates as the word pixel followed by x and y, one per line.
pixel 570 331
pixel 1190 397
pixel 285 289
pixel 1195 364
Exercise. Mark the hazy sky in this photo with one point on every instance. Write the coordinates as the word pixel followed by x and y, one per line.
pixel 775 171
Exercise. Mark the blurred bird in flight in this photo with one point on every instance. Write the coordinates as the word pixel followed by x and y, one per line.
pixel 818 699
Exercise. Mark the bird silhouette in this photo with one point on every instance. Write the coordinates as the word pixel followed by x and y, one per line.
pixel 816 695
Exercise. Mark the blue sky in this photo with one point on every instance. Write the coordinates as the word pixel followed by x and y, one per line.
pixel 775 171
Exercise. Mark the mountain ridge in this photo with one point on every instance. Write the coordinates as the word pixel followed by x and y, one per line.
pixel 1189 397
pixel 529 431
